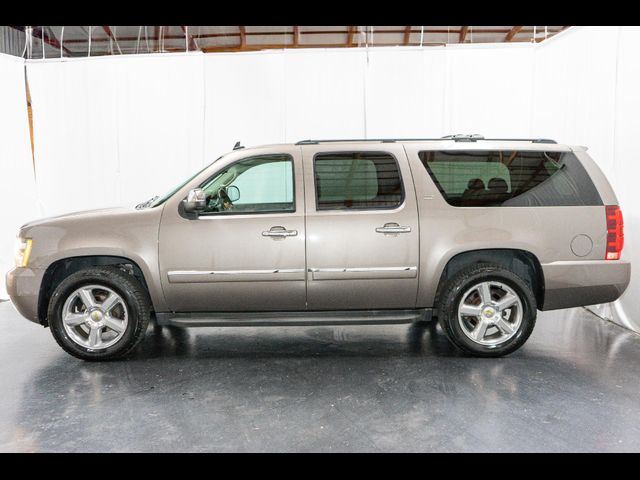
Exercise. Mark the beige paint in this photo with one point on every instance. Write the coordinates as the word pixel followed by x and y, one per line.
pixel 337 260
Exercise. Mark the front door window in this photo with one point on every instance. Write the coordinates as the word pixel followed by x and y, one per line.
pixel 262 184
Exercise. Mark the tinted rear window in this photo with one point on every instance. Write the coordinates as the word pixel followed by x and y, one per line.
pixel 510 178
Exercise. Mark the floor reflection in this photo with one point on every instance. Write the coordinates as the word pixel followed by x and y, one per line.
pixel 392 388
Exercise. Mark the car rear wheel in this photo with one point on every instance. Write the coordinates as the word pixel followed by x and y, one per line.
pixel 487 310
pixel 99 313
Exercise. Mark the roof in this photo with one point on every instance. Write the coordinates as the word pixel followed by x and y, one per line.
pixel 73 41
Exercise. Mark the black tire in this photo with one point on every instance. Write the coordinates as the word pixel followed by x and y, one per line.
pixel 465 279
pixel 130 290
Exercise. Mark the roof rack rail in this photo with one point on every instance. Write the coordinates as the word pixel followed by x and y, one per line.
pixel 455 138
pixel 532 140
pixel 383 140
pixel 475 137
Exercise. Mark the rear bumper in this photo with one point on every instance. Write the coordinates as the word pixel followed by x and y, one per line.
pixel 23 287
pixel 588 282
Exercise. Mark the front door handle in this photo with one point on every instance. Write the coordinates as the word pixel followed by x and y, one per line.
pixel 393 228
pixel 279 231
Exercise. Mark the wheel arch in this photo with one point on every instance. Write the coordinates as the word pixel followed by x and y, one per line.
pixel 522 262
pixel 62 268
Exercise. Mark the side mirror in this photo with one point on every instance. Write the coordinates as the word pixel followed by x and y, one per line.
pixel 233 193
pixel 196 201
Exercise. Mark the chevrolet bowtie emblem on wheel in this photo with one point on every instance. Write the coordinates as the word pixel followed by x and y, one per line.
pixel 96 316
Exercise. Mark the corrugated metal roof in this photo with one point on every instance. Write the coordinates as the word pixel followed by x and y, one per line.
pixel 78 41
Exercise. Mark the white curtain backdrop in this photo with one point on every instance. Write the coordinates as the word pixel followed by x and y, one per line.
pixel 117 130
pixel 17 185
pixel 324 94
pixel 243 100
pixel 488 90
pixel 586 93
pixel 291 95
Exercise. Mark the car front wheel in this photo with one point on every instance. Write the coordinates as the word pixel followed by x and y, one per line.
pixel 99 313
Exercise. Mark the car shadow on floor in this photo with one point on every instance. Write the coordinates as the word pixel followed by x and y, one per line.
pixel 421 338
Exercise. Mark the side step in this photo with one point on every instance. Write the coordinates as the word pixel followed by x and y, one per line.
pixel 305 318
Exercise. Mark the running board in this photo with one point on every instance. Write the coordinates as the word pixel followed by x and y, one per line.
pixel 279 319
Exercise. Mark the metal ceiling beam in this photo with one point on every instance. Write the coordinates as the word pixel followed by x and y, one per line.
pixel 296 36
pixel 192 44
pixel 108 31
pixel 407 35
pixel 53 41
pixel 281 33
pixel 156 39
pixel 350 33
pixel 512 33
pixel 38 33
pixel 243 37
pixel 277 46
pixel 280 46
pixel 463 34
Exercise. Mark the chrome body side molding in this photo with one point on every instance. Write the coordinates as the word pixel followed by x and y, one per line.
pixel 362 273
pixel 207 276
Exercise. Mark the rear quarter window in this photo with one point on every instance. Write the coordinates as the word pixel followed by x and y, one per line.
pixel 510 178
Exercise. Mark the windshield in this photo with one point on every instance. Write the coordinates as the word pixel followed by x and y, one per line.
pixel 160 200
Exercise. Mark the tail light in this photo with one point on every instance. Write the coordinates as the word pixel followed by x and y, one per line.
pixel 615 232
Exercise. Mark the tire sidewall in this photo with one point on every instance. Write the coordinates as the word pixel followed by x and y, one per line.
pixel 501 275
pixel 66 288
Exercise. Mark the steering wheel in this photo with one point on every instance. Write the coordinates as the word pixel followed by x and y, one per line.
pixel 221 199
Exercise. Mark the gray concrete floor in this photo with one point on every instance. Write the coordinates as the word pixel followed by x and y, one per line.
pixel 575 386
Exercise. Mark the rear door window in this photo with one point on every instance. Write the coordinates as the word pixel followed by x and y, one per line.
pixel 510 178
pixel 360 180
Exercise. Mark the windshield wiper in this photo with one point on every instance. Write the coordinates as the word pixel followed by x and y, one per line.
pixel 147 203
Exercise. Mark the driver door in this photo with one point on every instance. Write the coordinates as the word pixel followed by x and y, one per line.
pixel 246 251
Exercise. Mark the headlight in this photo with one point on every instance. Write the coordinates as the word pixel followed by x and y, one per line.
pixel 23 251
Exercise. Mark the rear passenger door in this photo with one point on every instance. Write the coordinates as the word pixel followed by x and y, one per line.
pixel 362 227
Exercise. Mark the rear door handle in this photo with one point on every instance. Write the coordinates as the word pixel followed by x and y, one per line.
pixel 393 228
pixel 279 231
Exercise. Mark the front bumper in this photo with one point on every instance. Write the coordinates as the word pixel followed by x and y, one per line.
pixel 23 287
pixel 588 282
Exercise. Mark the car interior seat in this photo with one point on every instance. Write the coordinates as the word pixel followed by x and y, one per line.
pixel 475 187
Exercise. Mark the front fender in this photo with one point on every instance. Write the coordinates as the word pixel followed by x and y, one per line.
pixel 128 233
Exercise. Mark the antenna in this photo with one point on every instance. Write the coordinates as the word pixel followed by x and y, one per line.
pixel 237 146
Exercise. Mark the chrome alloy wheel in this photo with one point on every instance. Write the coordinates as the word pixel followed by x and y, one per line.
pixel 95 317
pixel 490 313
